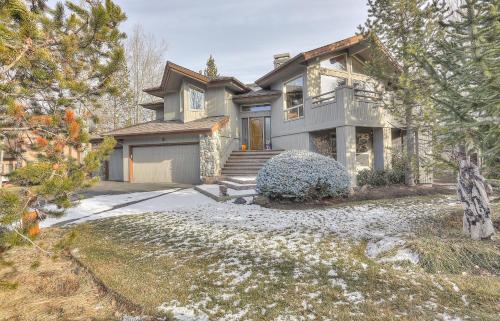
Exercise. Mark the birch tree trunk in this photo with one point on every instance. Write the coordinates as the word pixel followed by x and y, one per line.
pixel 473 193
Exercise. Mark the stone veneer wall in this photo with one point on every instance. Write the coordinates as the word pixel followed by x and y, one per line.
pixel 214 149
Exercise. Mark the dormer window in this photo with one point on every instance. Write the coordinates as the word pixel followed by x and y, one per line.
pixel 196 99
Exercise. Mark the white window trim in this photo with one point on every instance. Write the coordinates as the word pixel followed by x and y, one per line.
pixel 285 107
pixel 189 86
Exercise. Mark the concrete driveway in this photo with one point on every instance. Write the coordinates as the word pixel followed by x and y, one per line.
pixel 109 199
pixel 113 188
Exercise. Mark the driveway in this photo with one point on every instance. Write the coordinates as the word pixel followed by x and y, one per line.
pixel 113 188
pixel 110 203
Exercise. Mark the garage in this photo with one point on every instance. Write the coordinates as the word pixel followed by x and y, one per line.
pixel 115 165
pixel 166 163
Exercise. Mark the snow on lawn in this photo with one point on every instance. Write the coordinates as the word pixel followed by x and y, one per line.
pixel 258 263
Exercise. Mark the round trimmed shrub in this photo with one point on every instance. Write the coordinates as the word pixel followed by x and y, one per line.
pixel 302 175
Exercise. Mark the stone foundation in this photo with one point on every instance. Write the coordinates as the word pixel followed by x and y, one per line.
pixel 213 147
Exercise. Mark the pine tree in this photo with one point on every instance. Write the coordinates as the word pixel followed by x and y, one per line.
pixel 396 28
pixel 211 69
pixel 463 65
pixel 463 68
pixel 53 62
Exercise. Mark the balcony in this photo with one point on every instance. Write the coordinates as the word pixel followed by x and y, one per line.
pixel 345 106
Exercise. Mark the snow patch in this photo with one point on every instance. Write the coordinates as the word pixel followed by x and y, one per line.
pixel 376 248
pixel 401 255
pixel 181 313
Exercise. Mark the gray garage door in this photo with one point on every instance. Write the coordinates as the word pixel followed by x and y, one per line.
pixel 115 165
pixel 165 164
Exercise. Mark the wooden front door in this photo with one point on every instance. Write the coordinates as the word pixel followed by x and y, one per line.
pixel 256 127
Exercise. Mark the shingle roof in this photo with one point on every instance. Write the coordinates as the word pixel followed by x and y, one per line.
pixel 171 67
pixel 258 93
pixel 153 105
pixel 311 54
pixel 168 127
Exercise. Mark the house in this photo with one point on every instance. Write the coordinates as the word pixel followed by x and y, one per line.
pixel 318 100
pixel 20 140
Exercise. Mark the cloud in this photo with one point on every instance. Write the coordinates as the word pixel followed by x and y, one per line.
pixel 243 35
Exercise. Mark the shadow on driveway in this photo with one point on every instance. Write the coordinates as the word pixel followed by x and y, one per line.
pixel 114 188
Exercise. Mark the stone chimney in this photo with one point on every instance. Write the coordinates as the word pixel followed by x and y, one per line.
pixel 280 59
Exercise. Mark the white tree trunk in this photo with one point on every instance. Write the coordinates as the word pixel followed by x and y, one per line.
pixel 473 193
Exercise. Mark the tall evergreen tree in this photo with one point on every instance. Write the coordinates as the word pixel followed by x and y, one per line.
pixel 52 62
pixel 211 69
pixel 396 28
pixel 463 67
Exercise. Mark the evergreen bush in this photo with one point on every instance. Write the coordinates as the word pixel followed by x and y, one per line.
pixel 301 175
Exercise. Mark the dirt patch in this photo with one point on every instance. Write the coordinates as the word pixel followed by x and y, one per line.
pixel 366 194
pixel 34 286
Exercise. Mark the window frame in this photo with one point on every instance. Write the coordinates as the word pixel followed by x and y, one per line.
pixel 353 57
pixel 256 105
pixel 346 70
pixel 287 109
pixel 189 86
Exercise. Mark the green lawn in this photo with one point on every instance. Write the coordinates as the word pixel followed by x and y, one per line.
pixel 197 262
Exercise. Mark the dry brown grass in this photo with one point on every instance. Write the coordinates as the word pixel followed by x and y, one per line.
pixel 117 255
pixel 443 248
pixel 36 287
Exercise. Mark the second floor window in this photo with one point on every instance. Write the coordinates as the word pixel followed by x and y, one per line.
pixel 330 83
pixel 196 99
pixel 336 63
pixel 294 98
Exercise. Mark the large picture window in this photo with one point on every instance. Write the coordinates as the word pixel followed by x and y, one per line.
pixel 330 83
pixel 358 67
pixel 196 99
pixel 294 98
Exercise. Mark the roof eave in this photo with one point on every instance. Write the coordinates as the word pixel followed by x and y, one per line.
pixel 262 81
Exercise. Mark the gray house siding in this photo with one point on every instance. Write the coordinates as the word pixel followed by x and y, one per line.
pixel 172 107
pixel 115 165
pixel 293 141
pixel 187 114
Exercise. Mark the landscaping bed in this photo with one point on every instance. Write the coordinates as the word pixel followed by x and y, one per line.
pixel 365 194
pixel 236 262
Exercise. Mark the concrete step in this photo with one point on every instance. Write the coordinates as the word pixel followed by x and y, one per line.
pixel 233 163
pixel 241 179
pixel 243 166
pixel 237 186
pixel 239 172
pixel 212 191
pixel 248 159
pixel 264 152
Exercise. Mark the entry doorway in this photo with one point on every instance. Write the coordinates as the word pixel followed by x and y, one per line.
pixel 256 133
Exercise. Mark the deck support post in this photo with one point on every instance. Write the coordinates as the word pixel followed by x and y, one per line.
pixel 382 145
pixel 346 150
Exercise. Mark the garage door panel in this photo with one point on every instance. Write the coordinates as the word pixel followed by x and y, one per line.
pixel 164 164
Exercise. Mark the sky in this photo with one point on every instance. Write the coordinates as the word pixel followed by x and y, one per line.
pixel 242 35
